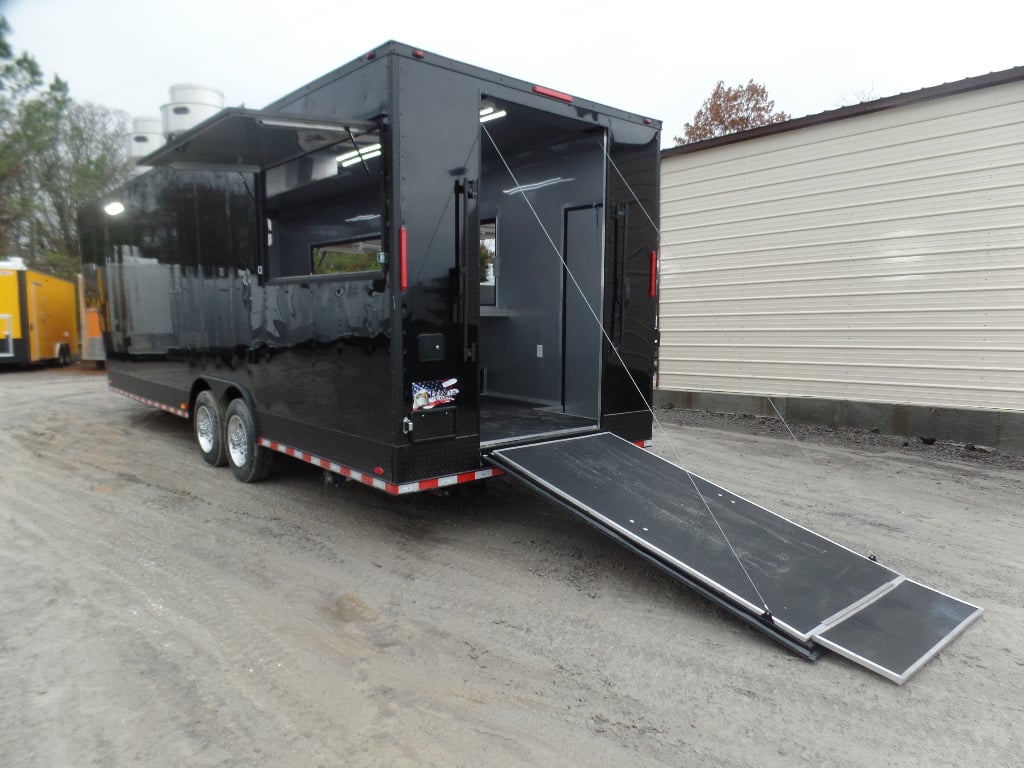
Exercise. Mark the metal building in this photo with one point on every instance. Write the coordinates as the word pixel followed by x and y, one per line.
pixel 863 266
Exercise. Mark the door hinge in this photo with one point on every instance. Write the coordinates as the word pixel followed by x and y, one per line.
pixel 468 187
pixel 406 426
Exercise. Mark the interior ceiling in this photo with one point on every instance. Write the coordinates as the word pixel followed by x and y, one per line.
pixel 524 130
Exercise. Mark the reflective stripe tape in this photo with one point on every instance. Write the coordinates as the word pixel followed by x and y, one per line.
pixel 152 403
pixel 367 478
pixel 353 474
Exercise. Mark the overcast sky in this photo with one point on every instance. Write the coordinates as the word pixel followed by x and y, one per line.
pixel 658 59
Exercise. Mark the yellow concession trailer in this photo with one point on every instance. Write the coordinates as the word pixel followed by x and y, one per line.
pixel 38 316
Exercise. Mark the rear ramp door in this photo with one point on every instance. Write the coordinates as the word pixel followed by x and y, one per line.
pixel 804 590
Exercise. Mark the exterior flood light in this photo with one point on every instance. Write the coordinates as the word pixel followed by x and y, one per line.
pixel 113 209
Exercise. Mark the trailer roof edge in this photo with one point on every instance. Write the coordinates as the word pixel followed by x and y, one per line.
pixel 403 50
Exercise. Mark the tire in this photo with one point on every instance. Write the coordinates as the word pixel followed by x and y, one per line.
pixel 208 425
pixel 64 358
pixel 248 460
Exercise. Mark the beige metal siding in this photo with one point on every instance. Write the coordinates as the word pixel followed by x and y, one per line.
pixel 876 258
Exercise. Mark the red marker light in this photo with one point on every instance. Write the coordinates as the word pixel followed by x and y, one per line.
pixel 403 259
pixel 371 55
pixel 378 470
pixel 653 287
pixel 552 94
pixel 418 54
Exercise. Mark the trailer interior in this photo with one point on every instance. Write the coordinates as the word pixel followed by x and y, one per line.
pixel 540 326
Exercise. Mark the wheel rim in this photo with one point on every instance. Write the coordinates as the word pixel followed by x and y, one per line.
pixel 238 441
pixel 205 429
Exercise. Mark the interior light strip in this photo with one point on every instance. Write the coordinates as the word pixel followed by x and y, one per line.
pixel 355 153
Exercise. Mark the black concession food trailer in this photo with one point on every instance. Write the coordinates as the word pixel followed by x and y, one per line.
pixel 417 273
pixel 376 268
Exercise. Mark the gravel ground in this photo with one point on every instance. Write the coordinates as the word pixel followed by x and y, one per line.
pixel 155 612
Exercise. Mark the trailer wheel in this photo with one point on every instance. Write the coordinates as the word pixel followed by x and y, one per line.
pixel 208 422
pixel 64 357
pixel 249 461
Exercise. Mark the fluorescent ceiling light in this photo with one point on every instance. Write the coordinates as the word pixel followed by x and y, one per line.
pixel 487 115
pixel 359 157
pixel 113 209
pixel 537 185
pixel 355 153
pixel 279 122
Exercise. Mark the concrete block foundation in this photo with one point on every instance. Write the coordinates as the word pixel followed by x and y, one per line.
pixel 1001 430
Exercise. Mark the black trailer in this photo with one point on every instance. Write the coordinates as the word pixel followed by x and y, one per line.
pixel 416 273
pixel 362 266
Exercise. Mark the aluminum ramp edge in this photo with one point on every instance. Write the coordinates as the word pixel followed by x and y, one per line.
pixel 811 651
pixel 851 605
pixel 866 636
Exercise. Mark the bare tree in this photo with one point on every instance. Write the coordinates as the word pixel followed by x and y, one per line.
pixel 728 110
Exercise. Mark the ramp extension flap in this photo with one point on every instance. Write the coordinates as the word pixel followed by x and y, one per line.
pixel 810 592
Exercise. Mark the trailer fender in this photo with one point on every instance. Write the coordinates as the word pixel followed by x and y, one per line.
pixel 225 390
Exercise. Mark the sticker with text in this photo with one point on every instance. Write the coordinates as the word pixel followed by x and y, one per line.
pixel 427 394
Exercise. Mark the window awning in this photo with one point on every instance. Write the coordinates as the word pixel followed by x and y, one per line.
pixel 246 139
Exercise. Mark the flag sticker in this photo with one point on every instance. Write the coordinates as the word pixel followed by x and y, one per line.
pixel 427 394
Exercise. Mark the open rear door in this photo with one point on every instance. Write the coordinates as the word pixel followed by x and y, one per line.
pixel 802 589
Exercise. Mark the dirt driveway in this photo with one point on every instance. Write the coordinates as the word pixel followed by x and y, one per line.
pixel 154 611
